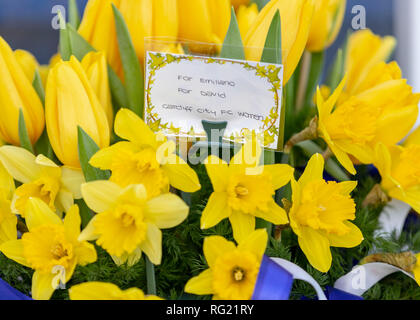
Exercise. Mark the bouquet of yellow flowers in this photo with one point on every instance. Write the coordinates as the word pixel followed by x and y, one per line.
pixel 98 203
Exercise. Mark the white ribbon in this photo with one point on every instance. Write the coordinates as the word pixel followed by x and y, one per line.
pixel 299 274
pixel 393 217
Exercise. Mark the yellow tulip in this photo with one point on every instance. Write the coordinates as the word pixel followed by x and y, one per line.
pixel 414 138
pixel 144 19
pixel 238 3
pixel 384 111
pixel 44 70
pixel 205 21
pixel 365 50
pixel 246 16
pixel 96 70
pixel 296 17
pixel 28 63
pixel 320 214
pixel 326 24
pixel 72 102
pixel 400 171
pixel 17 93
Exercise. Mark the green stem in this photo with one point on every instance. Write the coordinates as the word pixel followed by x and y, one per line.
pixel 150 275
pixel 303 79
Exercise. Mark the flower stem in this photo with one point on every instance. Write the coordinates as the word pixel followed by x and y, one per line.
pixel 150 275
pixel 309 133
pixel 303 80
pixel 376 197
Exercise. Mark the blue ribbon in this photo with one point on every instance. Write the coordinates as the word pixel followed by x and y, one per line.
pixel 336 294
pixel 9 293
pixel 273 282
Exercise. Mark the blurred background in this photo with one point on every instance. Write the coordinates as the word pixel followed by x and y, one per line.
pixel 26 24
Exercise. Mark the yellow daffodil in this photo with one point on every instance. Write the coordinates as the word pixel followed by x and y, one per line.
pixel 320 212
pixel 365 50
pixel 144 159
pixel 40 178
pixel 28 63
pixel 400 171
pixel 233 270
pixel 416 270
pixel 205 21
pixel 17 93
pixel 296 17
pixel 71 102
pixel 96 69
pixel 326 24
pixel 50 247
pixel 128 222
pixel 238 3
pixel 8 220
pixel 144 19
pixel 384 111
pixel 106 291
pixel 244 190
pixel 414 138
pixel 246 16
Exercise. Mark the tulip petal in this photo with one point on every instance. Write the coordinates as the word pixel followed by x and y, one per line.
pixel 129 126
pixel 166 211
pixel 216 246
pixel 13 249
pixel 218 171
pixel 38 213
pixel 72 179
pixel 256 242
pixel 242 225
pixel 215 211
pixel 181 175
pixel 42 285
pixel 280 174
pixel 201 284
pixel 152 246
pixel 350 240
pixel 100 195
pixel 316 248
pixel 20 163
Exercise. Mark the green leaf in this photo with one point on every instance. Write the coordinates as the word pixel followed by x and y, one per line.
pixel 64 45
pixel 87 148
pixel 25 142
pixel 337 71
pixel 74 17
pixel 272 49
pixel 261 3
pixel 310 148
pixel 80 47
pixel 317 64
pixel 38 86
pixel 85 213
pixel 134 83
pixel 233 47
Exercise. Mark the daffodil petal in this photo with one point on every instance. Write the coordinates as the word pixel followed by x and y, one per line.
pixel 7 185
pixel 8 230
pixel 103 159
pixel 100 195
pixel 72 179
pixel 64 200
pixel 42 285
pixel 274 214
pixel 347 186
pixel 152 246
pixel 217 170
pixel 134 257
pixel 313 171
pixel 72 222
pixel 13 249
pixel 215 246
pixel 242 225
pixel 88 233
pixel 316 248
pixel 201 284
pixel 181 175
pixel 129 126
pixel 350 240
pixel 85 253
pixel 280 174
pixel 20 163
pixel 343 158
pixel 215 211
pixel 362 153
pixel 94 291
pixel 256 243
pixel 38 213
pixel 166 211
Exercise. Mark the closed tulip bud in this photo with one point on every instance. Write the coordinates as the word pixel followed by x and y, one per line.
pixel 205 21
pixel 238 3
pixel 296 17
pixel 28 63
pixel 326 24
pixel 96 70
pixel 17 93
pixel 246 16
pixel 71 102
pixel 144 19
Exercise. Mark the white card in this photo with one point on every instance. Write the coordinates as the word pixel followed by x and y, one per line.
pixel 183 90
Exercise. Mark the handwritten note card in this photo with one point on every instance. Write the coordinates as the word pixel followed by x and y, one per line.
pixel 182 90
